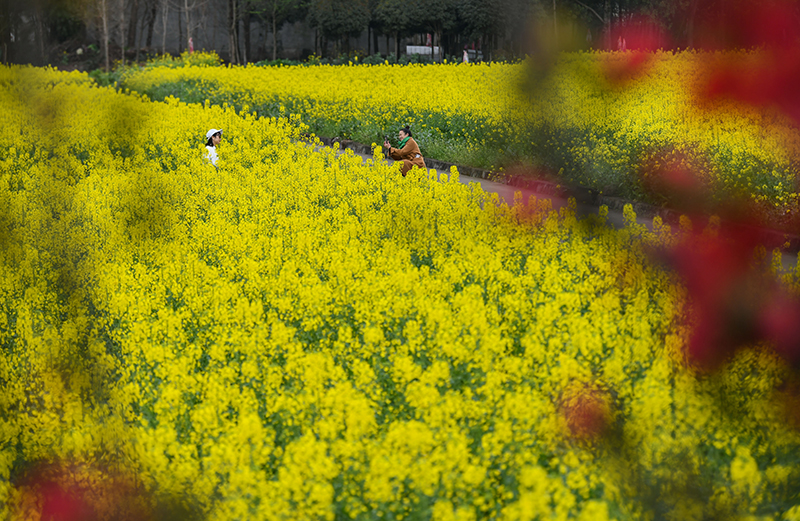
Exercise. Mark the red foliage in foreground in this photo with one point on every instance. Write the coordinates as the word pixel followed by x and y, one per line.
pixel 587 412
pixel 772 76
pixel 69 491
pixel 732 304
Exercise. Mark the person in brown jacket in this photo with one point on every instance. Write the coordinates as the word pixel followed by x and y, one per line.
pixel 408 151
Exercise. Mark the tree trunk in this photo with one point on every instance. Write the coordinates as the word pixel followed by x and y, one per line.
pixel 212 19
pixel 240 36
pixel 690 24
pixel 555 24
pixel 375 41
pixel 214 29
pixel 233 39
pixel 187 12
pixel 104 23
pixel 151 21
pixel 275 32
pixel 397 45
pixel 5 29
pixel 138 47
pixel 133 23
pixel 39 27
pixel 607 23
pixel 122 30
pixel 180 33
pixel 247 55
pixel 164 15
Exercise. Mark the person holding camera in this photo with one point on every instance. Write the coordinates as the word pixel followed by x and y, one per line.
pixel 407 151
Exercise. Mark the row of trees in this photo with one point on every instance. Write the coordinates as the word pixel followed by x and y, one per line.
pixel 30 30
pixel 452 24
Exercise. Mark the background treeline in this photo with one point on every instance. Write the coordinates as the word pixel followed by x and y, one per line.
pixel 43 31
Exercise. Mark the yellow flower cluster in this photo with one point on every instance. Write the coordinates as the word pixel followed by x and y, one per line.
pixel 603 132
pixel 569 118
pixel 300 335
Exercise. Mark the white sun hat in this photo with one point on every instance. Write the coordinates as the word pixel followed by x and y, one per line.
pixel 212 132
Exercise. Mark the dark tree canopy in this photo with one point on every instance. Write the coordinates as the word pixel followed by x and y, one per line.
pixel 39 31
pixel 275 13
pixel 339 18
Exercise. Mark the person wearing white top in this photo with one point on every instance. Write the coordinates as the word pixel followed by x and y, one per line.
pixel 213 138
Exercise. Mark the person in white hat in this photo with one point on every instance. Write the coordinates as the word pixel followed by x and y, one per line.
pixel 213 137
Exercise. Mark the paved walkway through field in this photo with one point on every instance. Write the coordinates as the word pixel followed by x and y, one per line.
pixel 507 192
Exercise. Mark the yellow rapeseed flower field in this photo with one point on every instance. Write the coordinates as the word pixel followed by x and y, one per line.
pixel 301 335
pixel 571 120
pixel 461 111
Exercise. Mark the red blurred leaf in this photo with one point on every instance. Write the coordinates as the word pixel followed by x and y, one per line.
pixel 63 504
pixel 765 23
pixel 627 67
pixel 724 293
pixel 771 75
pixel 637 38
pixel 587 412
pixel 768 78
pixel 72 491
pixel 780 324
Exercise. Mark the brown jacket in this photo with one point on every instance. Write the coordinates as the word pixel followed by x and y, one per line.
pixel 410 153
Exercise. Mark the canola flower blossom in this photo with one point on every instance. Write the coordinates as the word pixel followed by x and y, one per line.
pixel 588 119
pixel 300 335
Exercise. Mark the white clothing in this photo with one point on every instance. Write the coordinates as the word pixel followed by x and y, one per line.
pixel 212 155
